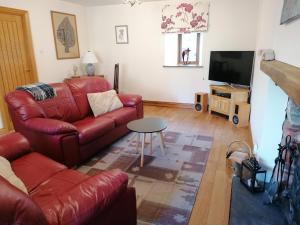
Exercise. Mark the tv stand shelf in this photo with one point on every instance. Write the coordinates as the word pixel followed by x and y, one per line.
pixel 223 99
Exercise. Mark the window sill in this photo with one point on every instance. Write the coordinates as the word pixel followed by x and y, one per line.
pixel 182 66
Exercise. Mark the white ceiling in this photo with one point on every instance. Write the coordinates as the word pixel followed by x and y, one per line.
pixel 101 2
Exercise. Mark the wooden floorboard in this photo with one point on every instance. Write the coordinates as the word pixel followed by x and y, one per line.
pixel 213 198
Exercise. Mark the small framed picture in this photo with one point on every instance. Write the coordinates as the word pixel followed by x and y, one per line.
pixel 122 34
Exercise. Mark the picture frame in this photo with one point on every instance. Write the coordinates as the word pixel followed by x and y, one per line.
pixel 290 11
pixel 121 32
pixel 65 35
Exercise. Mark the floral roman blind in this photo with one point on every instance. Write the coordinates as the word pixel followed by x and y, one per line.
pixel 185 17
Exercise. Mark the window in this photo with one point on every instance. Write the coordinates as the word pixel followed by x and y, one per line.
pixel 182 49
pixel 188 48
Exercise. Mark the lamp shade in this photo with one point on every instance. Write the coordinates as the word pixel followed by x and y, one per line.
pixel 89 57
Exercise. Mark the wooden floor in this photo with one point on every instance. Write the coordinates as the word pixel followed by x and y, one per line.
pixel 213 199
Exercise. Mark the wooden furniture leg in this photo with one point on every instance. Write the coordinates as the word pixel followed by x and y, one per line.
pixel 142 152
pixel 162 144
pixel 137 142
pixel 162 139
pixel 133 136
pixel 151 150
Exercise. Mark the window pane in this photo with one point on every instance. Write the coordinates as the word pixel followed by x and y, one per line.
pixel 190 41
pixel 171 49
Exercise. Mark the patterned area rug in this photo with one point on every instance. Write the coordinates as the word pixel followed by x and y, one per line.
pixel 167 185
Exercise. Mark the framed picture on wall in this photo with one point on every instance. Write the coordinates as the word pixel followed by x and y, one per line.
pixel 65 35
pixel 121 34
pixel 290 11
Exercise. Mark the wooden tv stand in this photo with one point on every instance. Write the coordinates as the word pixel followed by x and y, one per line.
pixel 224 97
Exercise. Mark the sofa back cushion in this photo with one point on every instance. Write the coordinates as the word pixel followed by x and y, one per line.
pixel 23 106
pixel 17 207
pixel 80 87
pixel 62 106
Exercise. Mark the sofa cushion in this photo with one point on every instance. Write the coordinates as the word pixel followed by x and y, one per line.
pixel 81 86
pixel 104 102
pixel 62 106
pixel 91 128
pixel 122 116
pixel 34 168
pixel 58 184
pixel 7 173
pixel 82 202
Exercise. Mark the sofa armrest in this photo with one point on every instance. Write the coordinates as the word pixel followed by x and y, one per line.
pixel 49 126
pixel 17 207
pixel 87 200
pixel 13 145
pixel 130 100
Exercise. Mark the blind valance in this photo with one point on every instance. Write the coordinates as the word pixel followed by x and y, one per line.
pixel 185 17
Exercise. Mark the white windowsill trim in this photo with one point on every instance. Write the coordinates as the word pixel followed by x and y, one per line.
pixel 182 66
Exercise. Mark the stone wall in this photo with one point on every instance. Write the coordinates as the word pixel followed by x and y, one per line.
pixel 290 191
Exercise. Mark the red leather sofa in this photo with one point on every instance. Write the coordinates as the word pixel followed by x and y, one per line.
pixel 58 195
pixel 64 128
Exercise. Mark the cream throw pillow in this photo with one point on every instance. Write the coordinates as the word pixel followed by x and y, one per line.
pixel 104 102
pixel 7 173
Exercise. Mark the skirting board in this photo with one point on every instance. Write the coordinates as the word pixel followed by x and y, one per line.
pixel 3 131
pixel 169 104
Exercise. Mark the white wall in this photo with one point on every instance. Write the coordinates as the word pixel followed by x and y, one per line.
pixel 49 68
pixel 269 101
pixel 232 26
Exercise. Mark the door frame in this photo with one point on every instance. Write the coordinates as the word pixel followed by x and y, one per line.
pixel 29 48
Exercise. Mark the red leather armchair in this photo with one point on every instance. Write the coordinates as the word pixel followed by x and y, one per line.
pixel 58 195
pixel 64 128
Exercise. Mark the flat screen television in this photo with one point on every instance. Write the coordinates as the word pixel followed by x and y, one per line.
pixel 233 67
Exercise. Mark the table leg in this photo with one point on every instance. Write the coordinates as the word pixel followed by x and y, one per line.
pixel 162 144
pixel 137 142
pixel 151 150
pixel 132 137
pixel 162 138
pixel 142 152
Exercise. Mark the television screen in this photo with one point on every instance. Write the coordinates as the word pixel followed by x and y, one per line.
pixel 234 67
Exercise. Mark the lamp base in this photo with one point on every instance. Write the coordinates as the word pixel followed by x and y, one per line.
pixel 90 69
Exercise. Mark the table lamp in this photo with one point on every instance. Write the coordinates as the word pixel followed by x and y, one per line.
pixel 89 59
